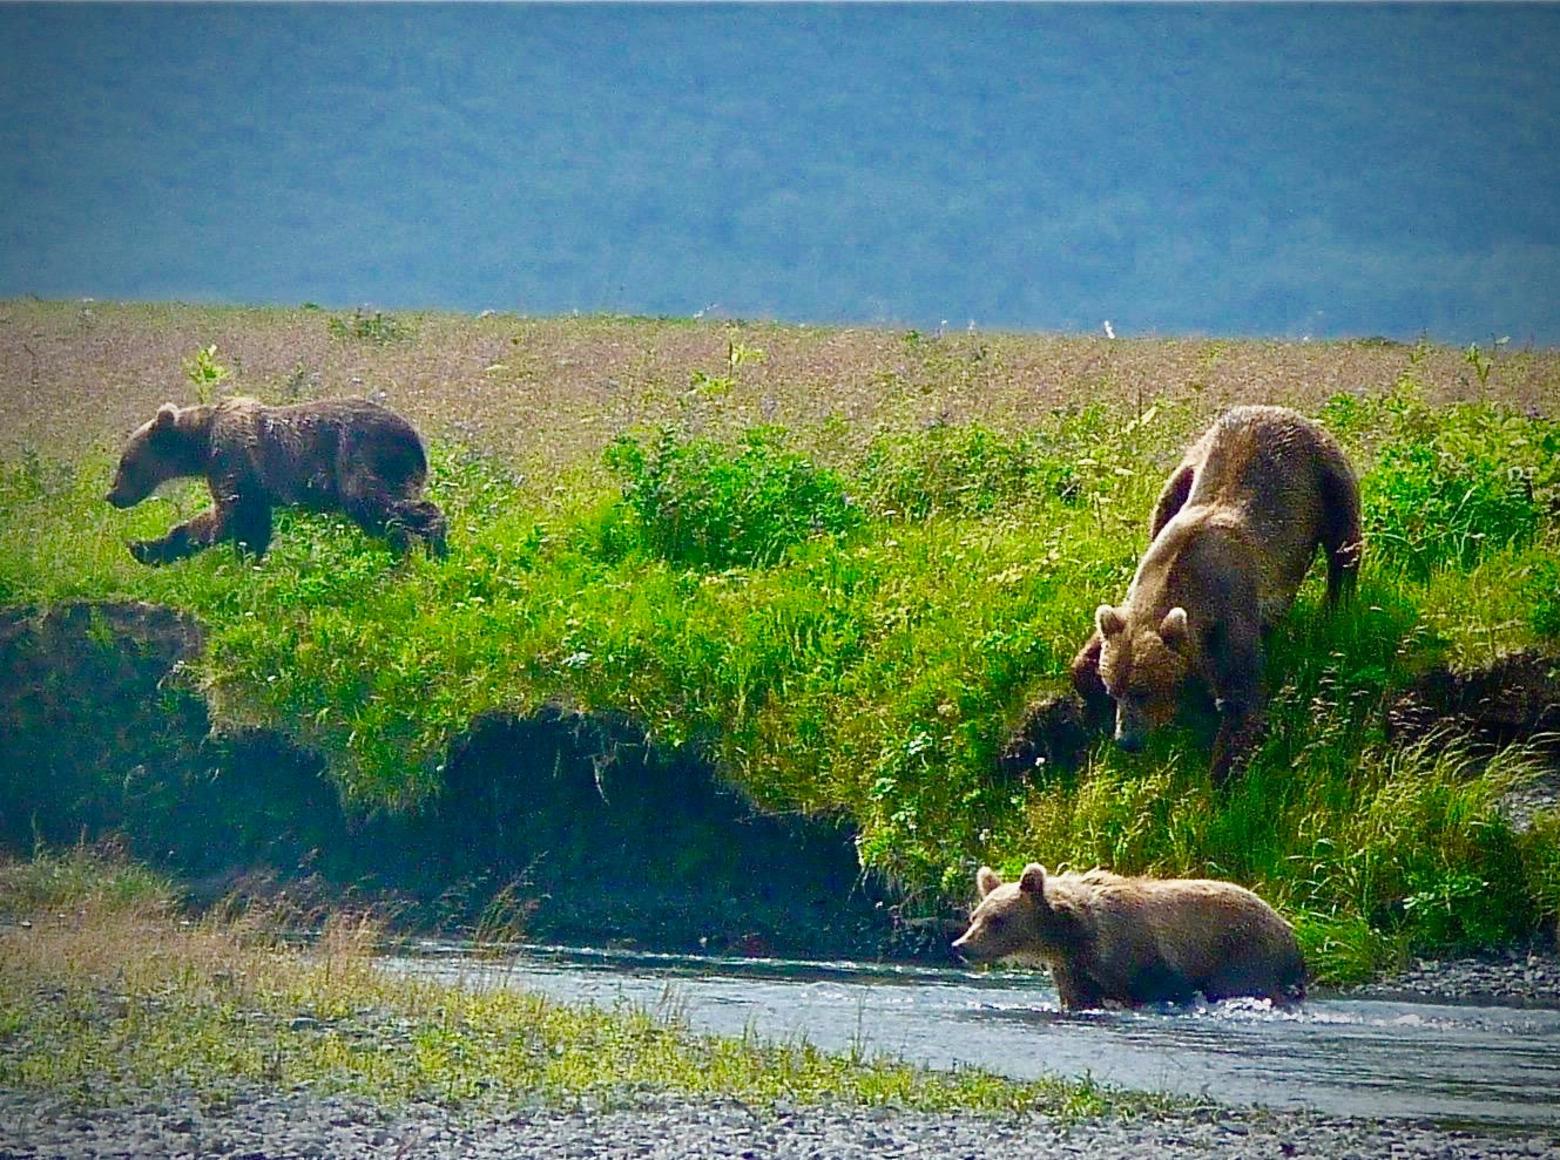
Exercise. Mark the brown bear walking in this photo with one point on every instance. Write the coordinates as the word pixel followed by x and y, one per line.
pixel 346 455
pixel 1232 536
pixel 1136 940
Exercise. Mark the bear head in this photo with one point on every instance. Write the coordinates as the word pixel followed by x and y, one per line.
pixel 1018 919
pixel 159 450
pixel 1143 668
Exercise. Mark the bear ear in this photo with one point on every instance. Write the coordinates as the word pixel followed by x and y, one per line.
pixel 1172 629
pixel 1108 620
pixel 987 880
pixel 167 414
pixel 1033 880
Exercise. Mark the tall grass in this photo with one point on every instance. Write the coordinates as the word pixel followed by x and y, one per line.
pixel 858 637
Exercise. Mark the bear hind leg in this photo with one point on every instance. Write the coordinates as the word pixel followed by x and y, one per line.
pixel 1342 536
pixel 399 520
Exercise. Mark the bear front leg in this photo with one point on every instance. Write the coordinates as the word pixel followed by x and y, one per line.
pixel 249 527
pixel 1076 990
pixel 1235 653
pixel 184 540
pixel 1172 498
pixel 1240 728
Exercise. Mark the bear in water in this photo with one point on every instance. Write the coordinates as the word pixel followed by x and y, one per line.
pixel 1136 940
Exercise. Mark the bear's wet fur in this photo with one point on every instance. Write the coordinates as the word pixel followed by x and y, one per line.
pixel 1108 938
pixel 1232 536
pixel 347 455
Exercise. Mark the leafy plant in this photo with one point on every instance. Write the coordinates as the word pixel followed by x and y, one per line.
pixel 205 373
pixel 1426 507
pixel 369 327
pixel 1481 363
pixel 738 355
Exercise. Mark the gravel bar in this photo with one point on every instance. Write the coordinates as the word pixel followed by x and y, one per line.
pixel 1523 976
pixel 299 1125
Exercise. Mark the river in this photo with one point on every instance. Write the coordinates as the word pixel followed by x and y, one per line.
pixel 1457 1064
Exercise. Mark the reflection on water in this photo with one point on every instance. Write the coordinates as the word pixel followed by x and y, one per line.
pixel 1340 1056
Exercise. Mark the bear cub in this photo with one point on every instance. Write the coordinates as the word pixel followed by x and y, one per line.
pixel 347 455
pixel 1136 940
pixel 1232 536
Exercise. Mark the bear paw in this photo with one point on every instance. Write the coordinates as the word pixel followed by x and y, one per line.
pixel 152 552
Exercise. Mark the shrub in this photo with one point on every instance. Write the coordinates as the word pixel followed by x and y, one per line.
pixel 703 504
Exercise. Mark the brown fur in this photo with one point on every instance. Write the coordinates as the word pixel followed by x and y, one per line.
pixel 346 455
pixel 1136 940
pixel 1232 536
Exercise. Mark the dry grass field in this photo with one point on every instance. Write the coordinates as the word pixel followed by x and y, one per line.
pixel 547 392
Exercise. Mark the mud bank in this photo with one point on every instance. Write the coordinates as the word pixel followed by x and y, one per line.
pixel 560 826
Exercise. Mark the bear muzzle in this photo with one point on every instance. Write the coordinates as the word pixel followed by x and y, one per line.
pixel 122 496
pixel 969 951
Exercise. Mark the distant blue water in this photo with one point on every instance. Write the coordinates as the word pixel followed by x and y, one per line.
pixel 1281 170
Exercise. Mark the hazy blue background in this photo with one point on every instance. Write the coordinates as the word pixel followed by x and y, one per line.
pixel 1279 170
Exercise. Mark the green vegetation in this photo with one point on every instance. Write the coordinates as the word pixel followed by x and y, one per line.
pixel 369 327
pixel 853 626
pixel 205 373
pixel 120 996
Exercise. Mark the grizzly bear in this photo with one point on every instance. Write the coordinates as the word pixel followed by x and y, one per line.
pixel 346 455
pixel 1232 536
pixel 1136 940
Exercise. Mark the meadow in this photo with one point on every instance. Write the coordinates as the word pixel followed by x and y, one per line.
pixel 843 565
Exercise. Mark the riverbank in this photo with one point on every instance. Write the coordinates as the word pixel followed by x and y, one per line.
pixel 262 1123
pixel 128 1028
pixel 1524 974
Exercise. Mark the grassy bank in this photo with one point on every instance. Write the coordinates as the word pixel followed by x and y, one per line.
pixel 108 994
pixel 842 566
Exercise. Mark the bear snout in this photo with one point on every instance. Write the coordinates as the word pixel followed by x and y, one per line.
pixel 117 498
pixel 966 949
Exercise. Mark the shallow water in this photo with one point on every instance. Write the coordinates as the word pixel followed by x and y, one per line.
pixel 1365 1057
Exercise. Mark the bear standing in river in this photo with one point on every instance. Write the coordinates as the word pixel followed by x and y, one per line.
pixel 1136 940
pixel 346 455
pixel 1232 536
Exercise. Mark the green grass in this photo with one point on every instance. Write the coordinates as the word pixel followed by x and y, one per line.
pixel 122 997
pixel 854 630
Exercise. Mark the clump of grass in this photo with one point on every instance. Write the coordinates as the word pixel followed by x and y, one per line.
pixel 115 1001
pixel 82 878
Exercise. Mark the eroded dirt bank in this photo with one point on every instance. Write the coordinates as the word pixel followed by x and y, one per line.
pixel 560 826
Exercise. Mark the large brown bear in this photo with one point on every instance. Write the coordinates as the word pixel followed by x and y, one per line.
pixel 346 455
pixel 1232 536
pixel 1136 940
